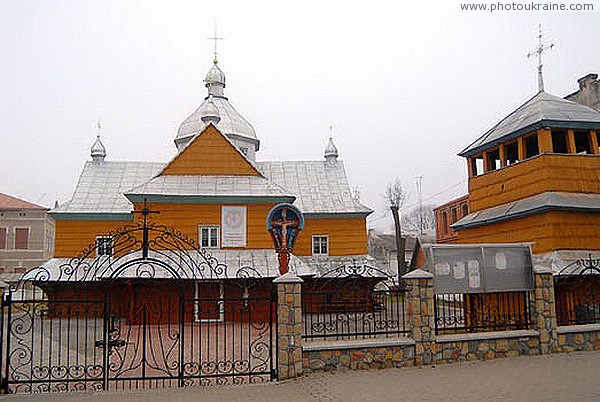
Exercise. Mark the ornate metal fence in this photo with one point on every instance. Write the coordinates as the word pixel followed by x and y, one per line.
pixel 577 293
pixel 480 312
pixel 353 302
pixel 158 311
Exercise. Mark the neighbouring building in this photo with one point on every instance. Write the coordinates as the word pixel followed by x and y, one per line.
pixel 26 236
pixel 588 93
pixel 535 177
pixel 215 192
pixel 446 215
pixel 382 247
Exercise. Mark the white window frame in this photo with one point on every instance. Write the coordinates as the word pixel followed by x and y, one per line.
pixel 326 237
pixel 221 303
pixel 210 228
pixel 104 240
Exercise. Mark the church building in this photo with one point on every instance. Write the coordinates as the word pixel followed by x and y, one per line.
pixel 216 196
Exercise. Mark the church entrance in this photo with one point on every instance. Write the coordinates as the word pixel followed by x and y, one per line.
pixel 153 310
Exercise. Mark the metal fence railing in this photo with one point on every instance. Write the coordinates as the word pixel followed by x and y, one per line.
pixel 338 316
pixel 481 312
pixel 577 300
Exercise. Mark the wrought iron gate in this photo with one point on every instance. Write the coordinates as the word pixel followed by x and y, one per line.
pixel 157 312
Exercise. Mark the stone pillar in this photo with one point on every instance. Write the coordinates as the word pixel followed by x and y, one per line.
pixel 289 326
pixel 421 317
pixel 544 311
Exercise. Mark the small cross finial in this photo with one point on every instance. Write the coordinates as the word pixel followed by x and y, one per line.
pixel 330 130
pixel 216 39
pixel 539 51
pixel 99 126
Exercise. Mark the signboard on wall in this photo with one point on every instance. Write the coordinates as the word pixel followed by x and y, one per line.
pixel 481 268
pixel 233 226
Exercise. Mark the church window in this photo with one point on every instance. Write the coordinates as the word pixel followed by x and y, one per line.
pixel 320 245
pixel 2 238
pixel 559 141
pixel 582 142
pixel 104 246
pixel 531 146
pixel 477 167
pixel 494 160
pixel 512 153
pixel 21 238
pixel 209 236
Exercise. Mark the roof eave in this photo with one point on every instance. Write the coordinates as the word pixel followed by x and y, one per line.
pixel 581 125
pixel 210 199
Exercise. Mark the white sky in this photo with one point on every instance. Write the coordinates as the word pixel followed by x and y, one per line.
pixel 406 86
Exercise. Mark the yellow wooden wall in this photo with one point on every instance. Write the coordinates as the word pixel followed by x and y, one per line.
pixel 73 236
pixel 210 154
pixel 347 236
pixel 548 172
pixel 548 231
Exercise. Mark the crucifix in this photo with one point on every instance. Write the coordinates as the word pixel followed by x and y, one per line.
pixel 284 223
pixel 145 212
pixel 539 51
pixel 216 39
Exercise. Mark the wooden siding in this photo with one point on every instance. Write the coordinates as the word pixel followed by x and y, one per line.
pixel 210 154
pixel 73 236
pixel 187 217
pixel 347 236
pixel 547 172
pixel 548 231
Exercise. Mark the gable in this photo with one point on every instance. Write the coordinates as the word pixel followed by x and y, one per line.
pixel 210 153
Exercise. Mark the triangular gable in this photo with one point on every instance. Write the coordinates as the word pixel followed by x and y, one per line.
pixel 210 153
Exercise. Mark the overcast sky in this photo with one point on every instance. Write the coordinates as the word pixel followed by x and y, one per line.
pixel 406 86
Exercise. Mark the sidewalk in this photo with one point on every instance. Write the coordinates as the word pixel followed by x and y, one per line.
pixel 562 377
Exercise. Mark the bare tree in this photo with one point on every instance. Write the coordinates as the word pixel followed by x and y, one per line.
pixel 419 221
pixel 394 198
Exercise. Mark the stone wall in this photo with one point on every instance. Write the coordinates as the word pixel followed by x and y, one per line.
pixel 579 337
pixel 485 346
pixel 358 355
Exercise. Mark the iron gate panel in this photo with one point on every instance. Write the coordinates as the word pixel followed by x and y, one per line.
pixel 135 321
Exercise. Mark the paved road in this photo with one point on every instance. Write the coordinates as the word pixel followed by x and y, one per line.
pixel 564 377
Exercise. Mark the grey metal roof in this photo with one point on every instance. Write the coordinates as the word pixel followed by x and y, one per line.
pixel 319 186
pixel 101 186
pixel 210 185
pixel 261 263
pixel 528 206
pixel 231 121
pixel 542 110
pixel 227 263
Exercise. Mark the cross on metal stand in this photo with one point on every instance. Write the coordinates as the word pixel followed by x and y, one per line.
pixel 145 212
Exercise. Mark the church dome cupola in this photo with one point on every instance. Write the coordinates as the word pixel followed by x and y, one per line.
pixel 215 80
pixel 331 151
pixel 217 110
pixel 98 151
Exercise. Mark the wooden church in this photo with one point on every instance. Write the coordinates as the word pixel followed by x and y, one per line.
pixel 213 196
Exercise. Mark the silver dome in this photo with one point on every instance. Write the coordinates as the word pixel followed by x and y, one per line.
pixel 231 123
